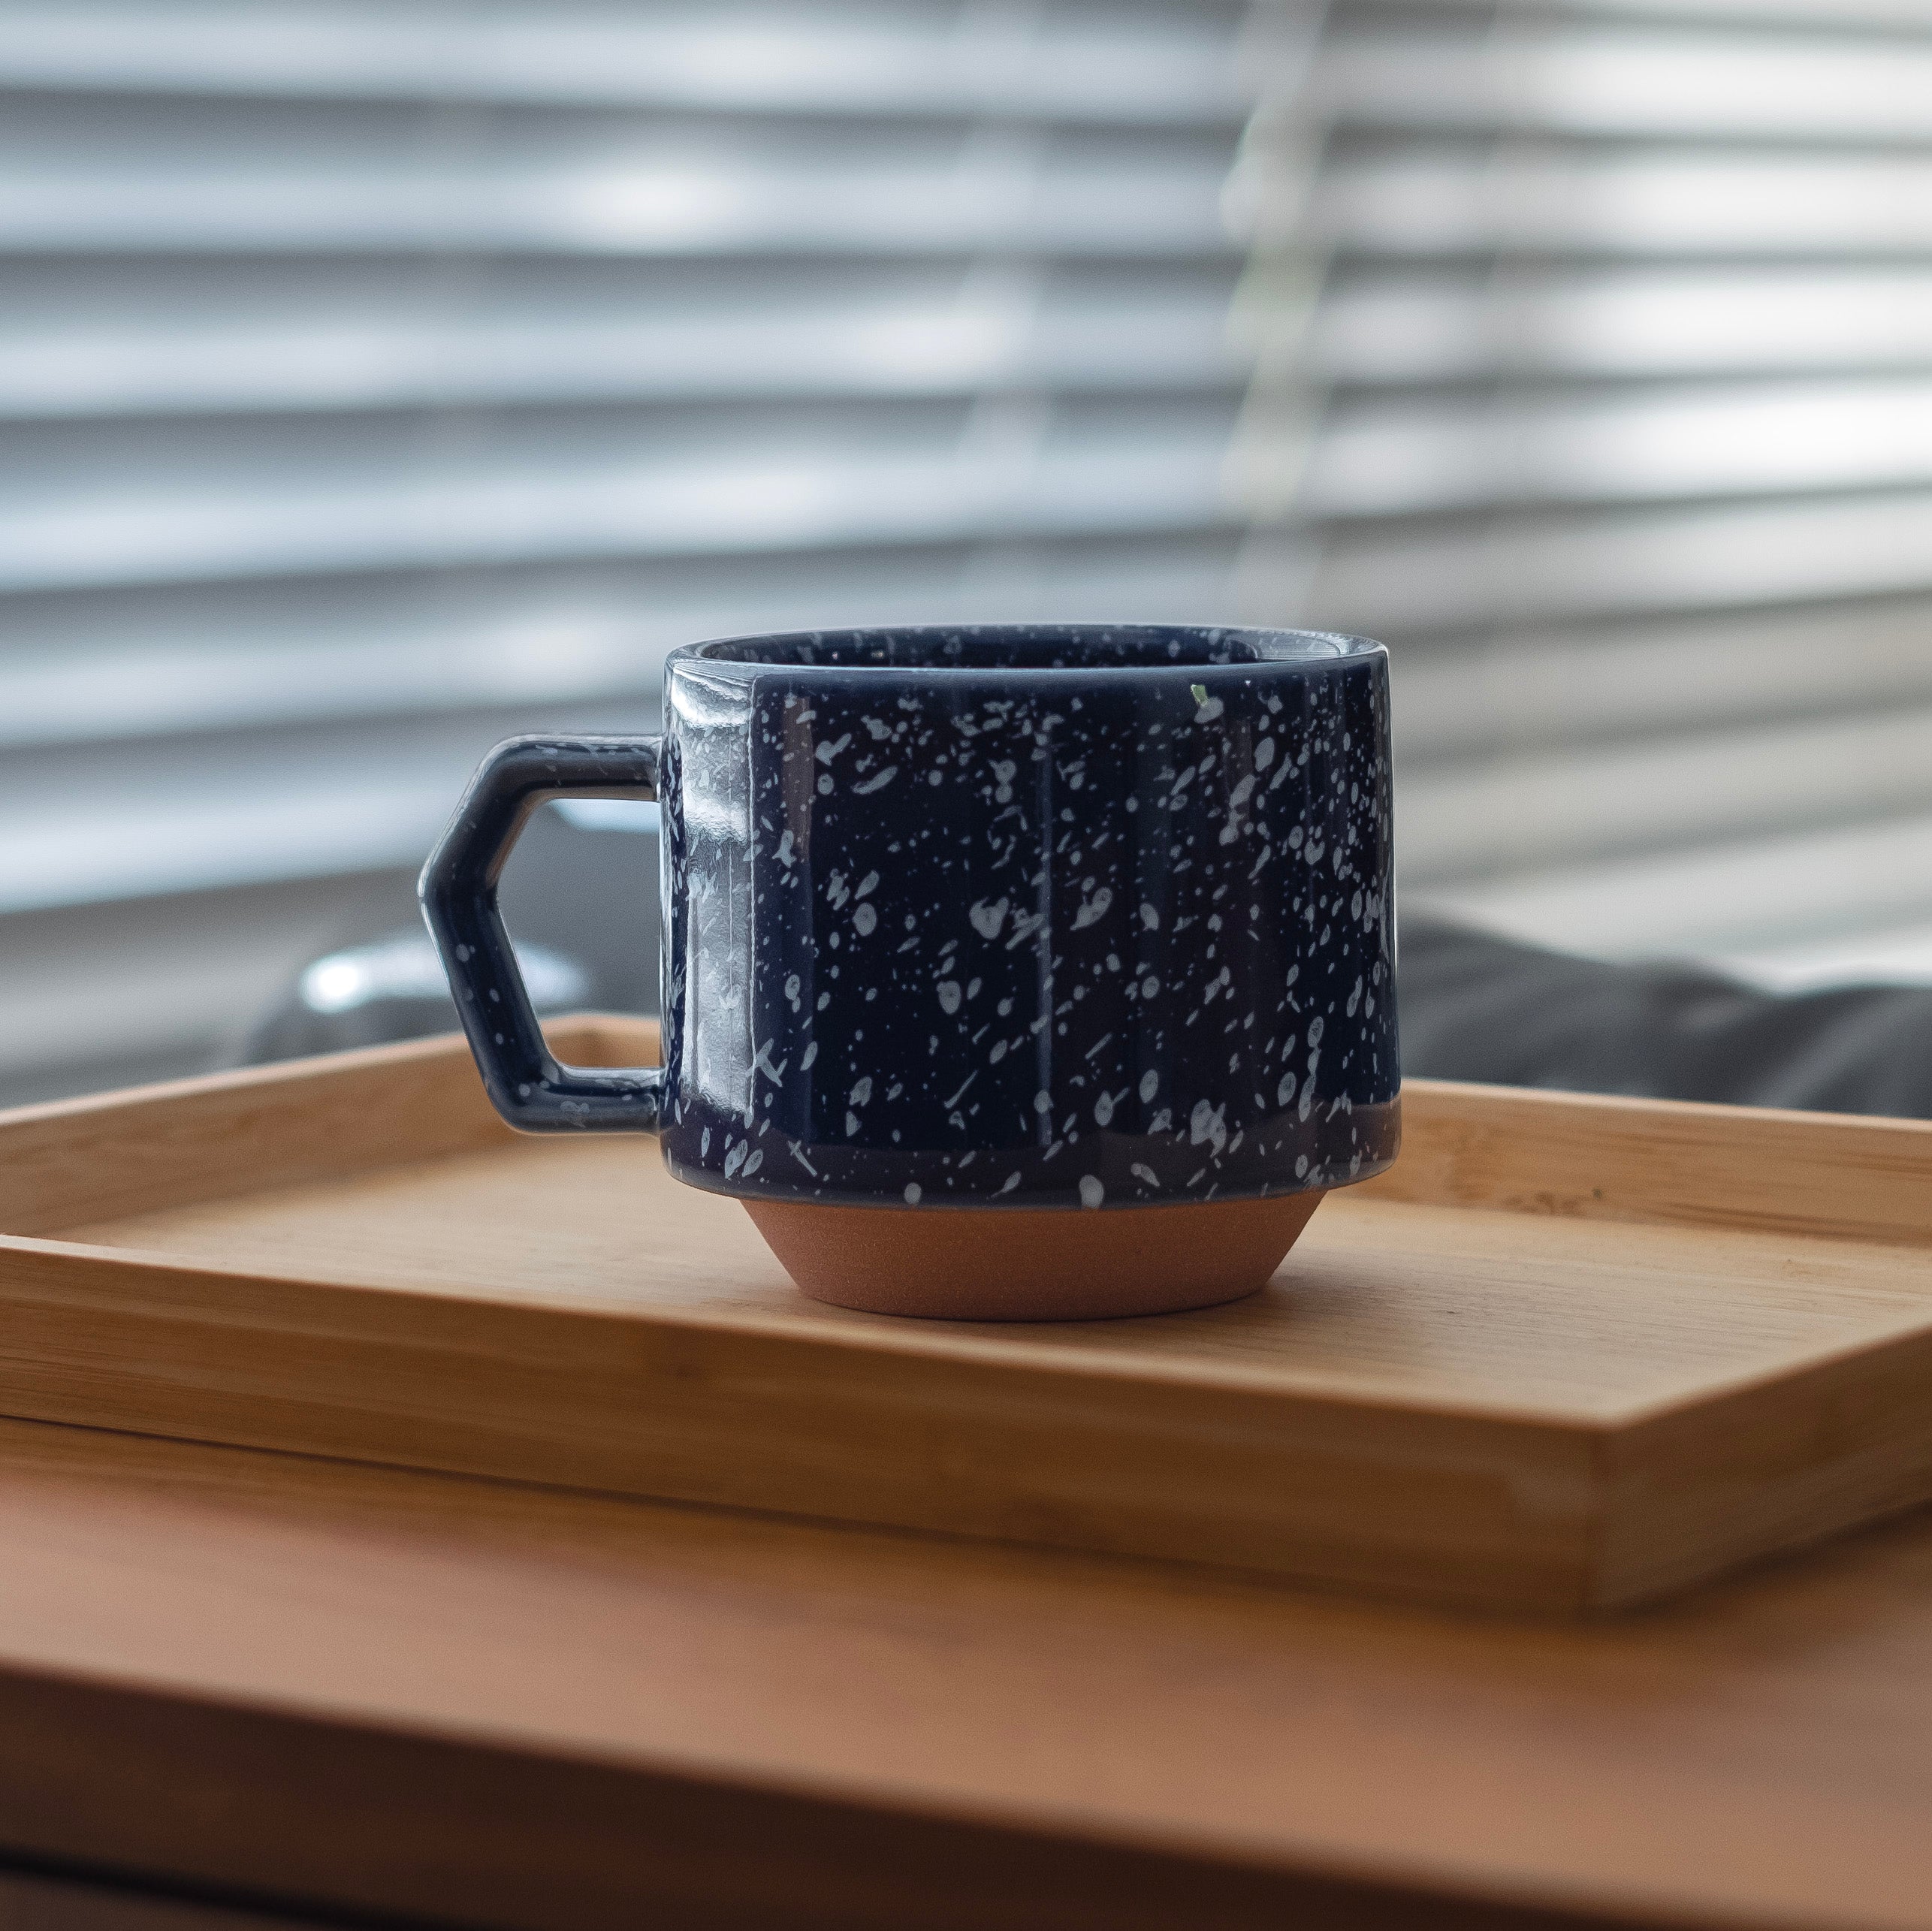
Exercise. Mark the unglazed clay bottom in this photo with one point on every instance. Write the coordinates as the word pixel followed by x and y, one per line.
pixel 1041 1264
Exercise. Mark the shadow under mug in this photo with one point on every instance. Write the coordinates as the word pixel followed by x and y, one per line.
pixel 1010 971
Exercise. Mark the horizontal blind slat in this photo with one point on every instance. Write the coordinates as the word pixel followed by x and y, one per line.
pixel 231 656
pixel 862 345
pixel 1148 65
pixel 1551 323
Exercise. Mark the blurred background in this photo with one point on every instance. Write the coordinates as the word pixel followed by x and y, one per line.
pixel 377 380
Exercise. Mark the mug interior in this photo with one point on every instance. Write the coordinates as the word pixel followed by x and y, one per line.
pixel 1066 647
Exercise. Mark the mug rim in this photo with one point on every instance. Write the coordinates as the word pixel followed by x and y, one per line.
pixel 1273 647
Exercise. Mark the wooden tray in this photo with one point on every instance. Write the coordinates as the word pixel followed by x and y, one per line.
pixel 1571 1352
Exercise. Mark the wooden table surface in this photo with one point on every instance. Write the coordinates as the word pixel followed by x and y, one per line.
pixel 369 1691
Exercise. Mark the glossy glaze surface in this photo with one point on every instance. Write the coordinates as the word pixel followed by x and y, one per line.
pixel 1027 917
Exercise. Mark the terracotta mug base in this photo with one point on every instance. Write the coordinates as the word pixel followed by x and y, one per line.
pixel 1032 1264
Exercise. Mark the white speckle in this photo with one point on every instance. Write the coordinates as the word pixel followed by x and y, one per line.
pixel 825 784
pixel 949 995
pixel 462 953
pixel 824 1000
pixel 1150 1084
pixel 1103 1109
pixel 791 991
pixel 1094 909
pixel 830 748
pixel 851 1122
pixel 878 780
pixel 810 1053
pixel 1092 1191
pixel 1144 1173
pixel 1285 1091
pixel 912 1194
pixel 1207 1122
pixel 987 919
pixel 1210 710
pixel 752 1165
pixel 1301 1167
pixel 784 853
pixel 705 1144
pixel 1314 1030
pixel 1005 1006
pixel 1012 1181
pixel 865 920
pixel 973 988
pixel 1150 917
pixel 1264 754
pixel 734 1158
pixel 1042 1101
pixel 862 1091
pixel 866 884
pixel 1149 986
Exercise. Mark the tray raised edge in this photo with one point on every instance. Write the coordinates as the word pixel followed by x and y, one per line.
pixel 956 1433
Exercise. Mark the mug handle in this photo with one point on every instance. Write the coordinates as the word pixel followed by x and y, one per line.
pixel 525 1082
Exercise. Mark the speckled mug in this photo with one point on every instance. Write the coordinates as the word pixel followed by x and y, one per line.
pixel 1011 972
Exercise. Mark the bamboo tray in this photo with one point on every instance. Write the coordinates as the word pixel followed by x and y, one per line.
pixel 1570 1353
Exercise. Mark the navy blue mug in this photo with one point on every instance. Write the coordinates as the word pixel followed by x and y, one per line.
pixel 1009 971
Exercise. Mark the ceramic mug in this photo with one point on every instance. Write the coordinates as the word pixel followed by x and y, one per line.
pixel 1010 971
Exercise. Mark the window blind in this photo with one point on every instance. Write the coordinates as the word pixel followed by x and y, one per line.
pixel 379 379
pixel 1596 376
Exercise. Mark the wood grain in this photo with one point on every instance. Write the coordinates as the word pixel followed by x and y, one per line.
pixel 1475 1380
pixel 356 1690
pixel 1669 1163
pixel 71 1160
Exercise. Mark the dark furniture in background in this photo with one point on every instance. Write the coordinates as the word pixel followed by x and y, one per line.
pixel 1474 1006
